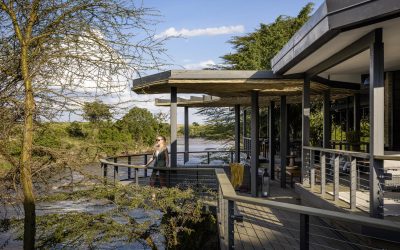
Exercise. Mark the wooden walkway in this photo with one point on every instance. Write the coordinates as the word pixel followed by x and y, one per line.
pixel 265 228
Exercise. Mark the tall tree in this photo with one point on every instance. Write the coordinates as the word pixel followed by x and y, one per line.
pixel 254 51
pixel 96 111
pixel 62 51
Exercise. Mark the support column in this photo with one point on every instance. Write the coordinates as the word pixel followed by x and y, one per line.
pixel 347 115
pixel 376 118
pixel 186 127
pixel 174 126
pixel 244 124
pixel 255 142
pixel 327 120
pixel 283 140
pixel 271 135
pixel 305 124
pixel 237 133
pixel 357 119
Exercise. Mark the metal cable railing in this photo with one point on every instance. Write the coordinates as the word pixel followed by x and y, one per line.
pixel 343 175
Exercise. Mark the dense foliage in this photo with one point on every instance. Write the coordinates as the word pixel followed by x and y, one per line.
pixel 255 50
pixel 96 111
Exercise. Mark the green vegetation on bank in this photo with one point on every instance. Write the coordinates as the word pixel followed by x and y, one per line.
pixel 84 142
pixel 207 131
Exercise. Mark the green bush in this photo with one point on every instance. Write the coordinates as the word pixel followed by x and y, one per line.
pixel 75 130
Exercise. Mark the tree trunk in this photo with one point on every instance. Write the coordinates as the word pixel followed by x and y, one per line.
pixel 26 156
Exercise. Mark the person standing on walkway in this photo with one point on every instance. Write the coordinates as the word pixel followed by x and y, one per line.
pixel 161 160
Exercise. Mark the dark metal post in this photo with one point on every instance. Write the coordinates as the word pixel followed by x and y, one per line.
pixel 347 146
pixel 129 169
pixel 304 231
pixel 357 119
pixel 327 120
pixel 145 163
pixel 271 135
pixel 105 173
pixel 305 124
pixel 186 155
pixel 255 142
pixel 237 133
pixel 115 169
pixel 137 176
pixel 174 125
pixel 283 142
pixel 376 118
pixel 231 224
pixel 244 124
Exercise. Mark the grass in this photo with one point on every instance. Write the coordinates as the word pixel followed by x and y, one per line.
pixel 4 167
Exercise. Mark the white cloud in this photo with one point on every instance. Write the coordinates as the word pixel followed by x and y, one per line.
pixel 200 65
pixel 223 30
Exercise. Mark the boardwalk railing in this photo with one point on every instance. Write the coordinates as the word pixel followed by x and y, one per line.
pixel 341 174
pixel 345 175
pixel 303 227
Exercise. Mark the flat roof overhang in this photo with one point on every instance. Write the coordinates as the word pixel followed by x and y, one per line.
pixel 212 101
pixel 234 86
pixel 336 25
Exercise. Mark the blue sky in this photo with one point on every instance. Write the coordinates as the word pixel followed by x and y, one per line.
pixel 241 16
pixel 206 27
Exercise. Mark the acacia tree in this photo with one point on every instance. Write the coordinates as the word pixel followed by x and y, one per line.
pixel 59 52
pixel 96 111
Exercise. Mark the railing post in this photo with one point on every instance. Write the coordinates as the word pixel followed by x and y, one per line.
pixel 231 225
pixel 232 156
pixel 353 183
pixel 336 178
pixel 129 169
pixel 137 176
pixel 304 232
pixel 105 173
pixel 208 157
pixel 323 174
pixel 312 169
pixel 145 163
pixel 115 169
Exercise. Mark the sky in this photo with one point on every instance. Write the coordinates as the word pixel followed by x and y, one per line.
pixel 204 29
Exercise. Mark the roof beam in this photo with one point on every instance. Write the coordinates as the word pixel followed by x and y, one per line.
pixel 348 52
pixel 336 84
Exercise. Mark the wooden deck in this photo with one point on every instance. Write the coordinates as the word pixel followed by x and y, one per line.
pixel 265 228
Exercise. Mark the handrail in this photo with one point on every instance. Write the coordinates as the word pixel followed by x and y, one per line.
pixel 337 151
pixel 387 157
pixel 135 166
pixel 182 152
pixel 230 194
pixel 116 164
pixel 225 183
pixel 358 219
